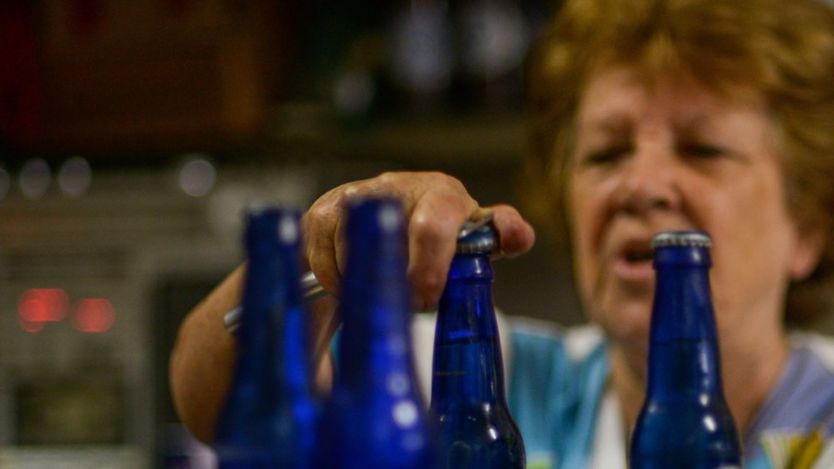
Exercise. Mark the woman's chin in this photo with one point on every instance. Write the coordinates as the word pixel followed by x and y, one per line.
pixel 627 325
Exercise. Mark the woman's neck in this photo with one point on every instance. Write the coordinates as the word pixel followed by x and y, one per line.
pixel 750 368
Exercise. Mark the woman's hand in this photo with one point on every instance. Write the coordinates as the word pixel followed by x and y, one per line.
pixel 435 205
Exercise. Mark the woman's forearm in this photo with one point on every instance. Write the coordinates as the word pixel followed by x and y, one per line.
pixel 203 358
pixel 204 354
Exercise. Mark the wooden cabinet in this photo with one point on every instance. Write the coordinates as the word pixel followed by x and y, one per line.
pixel 148 75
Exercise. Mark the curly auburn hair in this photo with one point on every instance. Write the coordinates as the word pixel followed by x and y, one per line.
pixel 781 51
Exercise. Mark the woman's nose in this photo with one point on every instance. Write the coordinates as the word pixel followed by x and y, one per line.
pixel 649 182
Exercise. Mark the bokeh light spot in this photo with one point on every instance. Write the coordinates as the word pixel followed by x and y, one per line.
pixel 94 315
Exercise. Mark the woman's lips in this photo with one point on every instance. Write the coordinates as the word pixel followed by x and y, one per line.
pixel 633 262
pixel 631 270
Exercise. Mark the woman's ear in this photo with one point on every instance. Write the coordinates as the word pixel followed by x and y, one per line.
pixel 807 251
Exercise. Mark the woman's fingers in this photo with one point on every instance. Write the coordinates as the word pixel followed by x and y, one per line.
pixel 434 223
pixel 435 206
pixel 515 235
pixel 321 225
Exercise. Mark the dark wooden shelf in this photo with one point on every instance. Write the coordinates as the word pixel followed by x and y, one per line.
pixel 457 139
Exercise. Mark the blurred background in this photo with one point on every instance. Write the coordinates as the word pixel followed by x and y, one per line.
pixel 134 132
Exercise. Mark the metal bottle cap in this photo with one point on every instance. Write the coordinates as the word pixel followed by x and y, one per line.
pixel 681 238
pixel 481 240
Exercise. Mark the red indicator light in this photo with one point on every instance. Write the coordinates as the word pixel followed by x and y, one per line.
pixel 41 305
pixel 94 315
pixel 33 310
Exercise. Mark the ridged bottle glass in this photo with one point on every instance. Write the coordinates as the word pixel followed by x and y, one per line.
pixel 375 418
pixel 468 401
pixel 269 418
pixel 685 421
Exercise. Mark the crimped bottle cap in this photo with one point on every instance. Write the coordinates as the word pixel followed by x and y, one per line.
pixel 681 238
pixel 481 240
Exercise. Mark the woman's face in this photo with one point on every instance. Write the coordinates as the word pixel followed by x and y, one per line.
pixel 674 156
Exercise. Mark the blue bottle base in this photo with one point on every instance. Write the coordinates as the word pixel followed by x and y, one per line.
pixel 474 431
pixel 466 442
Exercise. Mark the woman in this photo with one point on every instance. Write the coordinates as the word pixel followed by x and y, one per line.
pixel 648 115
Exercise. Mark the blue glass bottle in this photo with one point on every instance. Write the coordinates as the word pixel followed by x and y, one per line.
pixel 375 418
pixel 468 401
pixel 269 418
pixel 685 421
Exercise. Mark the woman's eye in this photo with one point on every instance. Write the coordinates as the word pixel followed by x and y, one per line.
pixel 699 150
pixel 606 155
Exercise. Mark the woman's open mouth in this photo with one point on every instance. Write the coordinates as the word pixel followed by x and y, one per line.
pixel 633 262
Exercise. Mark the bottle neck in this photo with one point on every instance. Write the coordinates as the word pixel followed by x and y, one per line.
pixel 467 366
pixel 273 338
pixel 375 310
pixel 683 353
pixel 293 370
pixel 465 308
